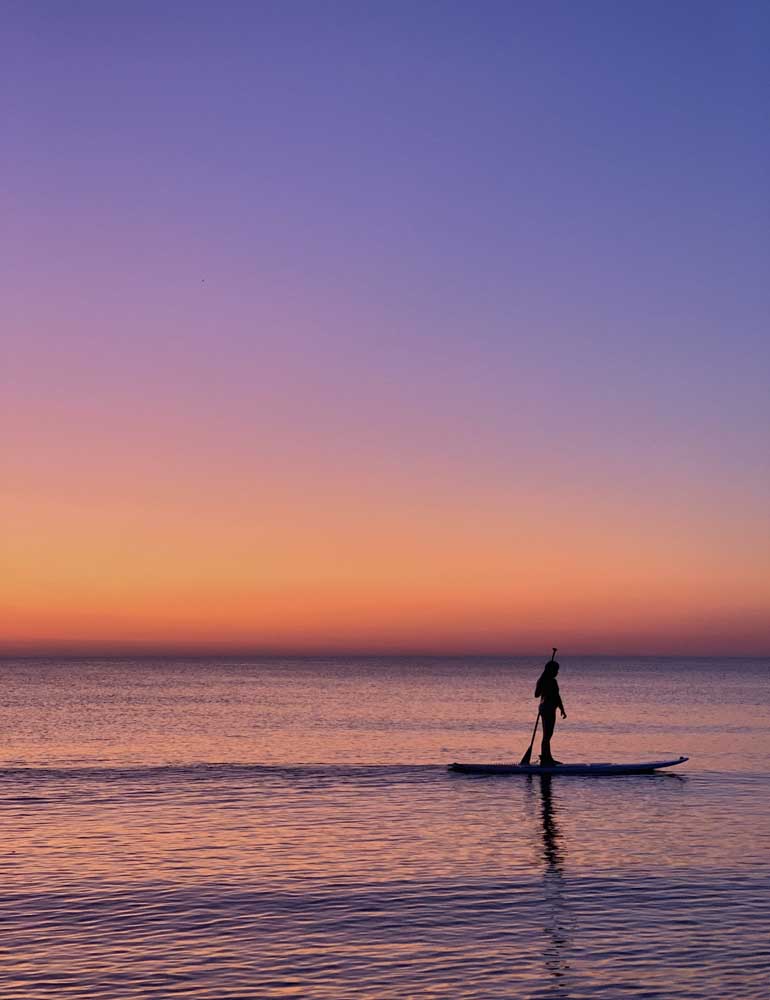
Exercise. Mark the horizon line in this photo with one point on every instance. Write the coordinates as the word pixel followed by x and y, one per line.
pixel 198 652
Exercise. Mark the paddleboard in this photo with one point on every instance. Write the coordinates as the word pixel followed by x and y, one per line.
pixel 583 769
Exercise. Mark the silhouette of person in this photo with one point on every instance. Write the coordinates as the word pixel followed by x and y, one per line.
pixel 547 690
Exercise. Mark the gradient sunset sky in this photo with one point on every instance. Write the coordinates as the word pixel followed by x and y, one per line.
pixel 424 326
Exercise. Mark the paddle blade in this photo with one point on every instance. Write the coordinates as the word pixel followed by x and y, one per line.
pixel 526 758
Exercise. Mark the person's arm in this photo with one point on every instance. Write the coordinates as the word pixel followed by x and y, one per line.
pixel 559 704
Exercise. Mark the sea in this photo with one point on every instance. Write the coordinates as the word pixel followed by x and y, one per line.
pixel 276 827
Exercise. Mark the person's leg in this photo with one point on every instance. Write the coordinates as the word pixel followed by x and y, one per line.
pixel 548 718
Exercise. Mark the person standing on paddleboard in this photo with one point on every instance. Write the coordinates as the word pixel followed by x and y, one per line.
pixel 547 690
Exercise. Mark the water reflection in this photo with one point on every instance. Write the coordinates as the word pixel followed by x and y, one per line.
pixel 558 926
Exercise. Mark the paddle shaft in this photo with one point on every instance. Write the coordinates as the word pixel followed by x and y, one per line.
pixel 534 732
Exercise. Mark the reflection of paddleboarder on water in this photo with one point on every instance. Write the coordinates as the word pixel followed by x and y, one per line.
pixel 551 835
pixel 559 923
pixel 556 913
pixel 547 690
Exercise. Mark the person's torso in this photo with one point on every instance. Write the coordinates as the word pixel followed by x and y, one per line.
pixel 549 692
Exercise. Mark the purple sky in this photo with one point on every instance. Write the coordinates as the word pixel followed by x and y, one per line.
pixel 424 246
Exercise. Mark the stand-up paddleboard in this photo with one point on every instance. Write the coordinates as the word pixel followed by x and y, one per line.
pixel 583 769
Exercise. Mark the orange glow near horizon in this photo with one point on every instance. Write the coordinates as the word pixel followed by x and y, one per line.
pixel 128 563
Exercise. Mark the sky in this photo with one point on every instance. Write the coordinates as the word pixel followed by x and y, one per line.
pixel 389 327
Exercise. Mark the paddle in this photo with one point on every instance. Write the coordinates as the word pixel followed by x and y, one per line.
pixel 528 755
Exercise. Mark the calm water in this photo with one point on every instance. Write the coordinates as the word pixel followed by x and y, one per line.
pixel 280 828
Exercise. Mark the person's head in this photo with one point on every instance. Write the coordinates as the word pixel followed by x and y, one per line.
pixel 551 668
